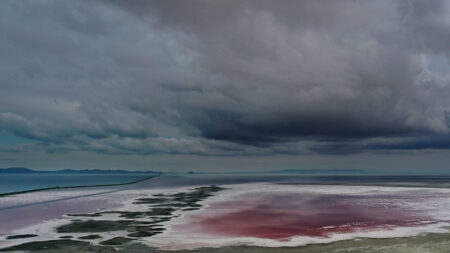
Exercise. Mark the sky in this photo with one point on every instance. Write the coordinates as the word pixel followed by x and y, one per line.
pixel 225 85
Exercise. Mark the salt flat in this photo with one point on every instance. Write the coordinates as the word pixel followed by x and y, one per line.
pixel 256 214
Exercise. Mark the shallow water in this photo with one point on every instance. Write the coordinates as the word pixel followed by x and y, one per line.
pixel 280 216
pixel 16 182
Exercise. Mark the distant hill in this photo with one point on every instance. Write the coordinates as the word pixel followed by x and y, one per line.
pixel 293 171
pixel 16 170
pixel 70 171
pixel 320 171
pixel 107 171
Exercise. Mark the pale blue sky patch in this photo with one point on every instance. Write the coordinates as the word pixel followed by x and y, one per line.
pixel 8 139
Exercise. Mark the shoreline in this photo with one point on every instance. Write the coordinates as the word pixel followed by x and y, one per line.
pixel 432 241
pixel 441 240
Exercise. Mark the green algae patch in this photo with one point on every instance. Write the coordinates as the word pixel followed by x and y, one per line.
pixel 184 200
pixel 46 245
pixel 154 200
pixel 126 214
pixel 190 209
pixel 140 234
pixel 93 226
pixel 163 206
pixel 429 243
pixel 60 246
pixel 89 237
pixel 191 199
pixel 159 220
pixel 161 211
pixel 116 241
pixel 144 231
pixel 85 215
pixel 11 237
pixel 157 211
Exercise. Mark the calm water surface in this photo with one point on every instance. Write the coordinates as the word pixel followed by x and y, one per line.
pixel 23 182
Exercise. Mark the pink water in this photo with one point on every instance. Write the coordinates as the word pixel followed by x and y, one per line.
pixel 283 215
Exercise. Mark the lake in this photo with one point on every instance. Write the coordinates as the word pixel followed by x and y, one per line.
pixel 16 182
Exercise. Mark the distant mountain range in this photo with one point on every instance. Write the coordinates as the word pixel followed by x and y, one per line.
pixel 320 171
pixel 16 170
pixel 68 171
pixel 288 171
pixel 292 171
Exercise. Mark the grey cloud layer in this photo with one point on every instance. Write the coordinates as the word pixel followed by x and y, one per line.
pixel 226 77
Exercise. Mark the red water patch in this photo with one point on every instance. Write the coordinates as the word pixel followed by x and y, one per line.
pixel 282 216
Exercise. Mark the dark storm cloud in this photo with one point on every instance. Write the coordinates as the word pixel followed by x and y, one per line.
pixel 256 129
pixel 225 77
pixel 425 142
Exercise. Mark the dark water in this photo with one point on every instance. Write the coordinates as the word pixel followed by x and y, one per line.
pixel 24 182
pixel 205 179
